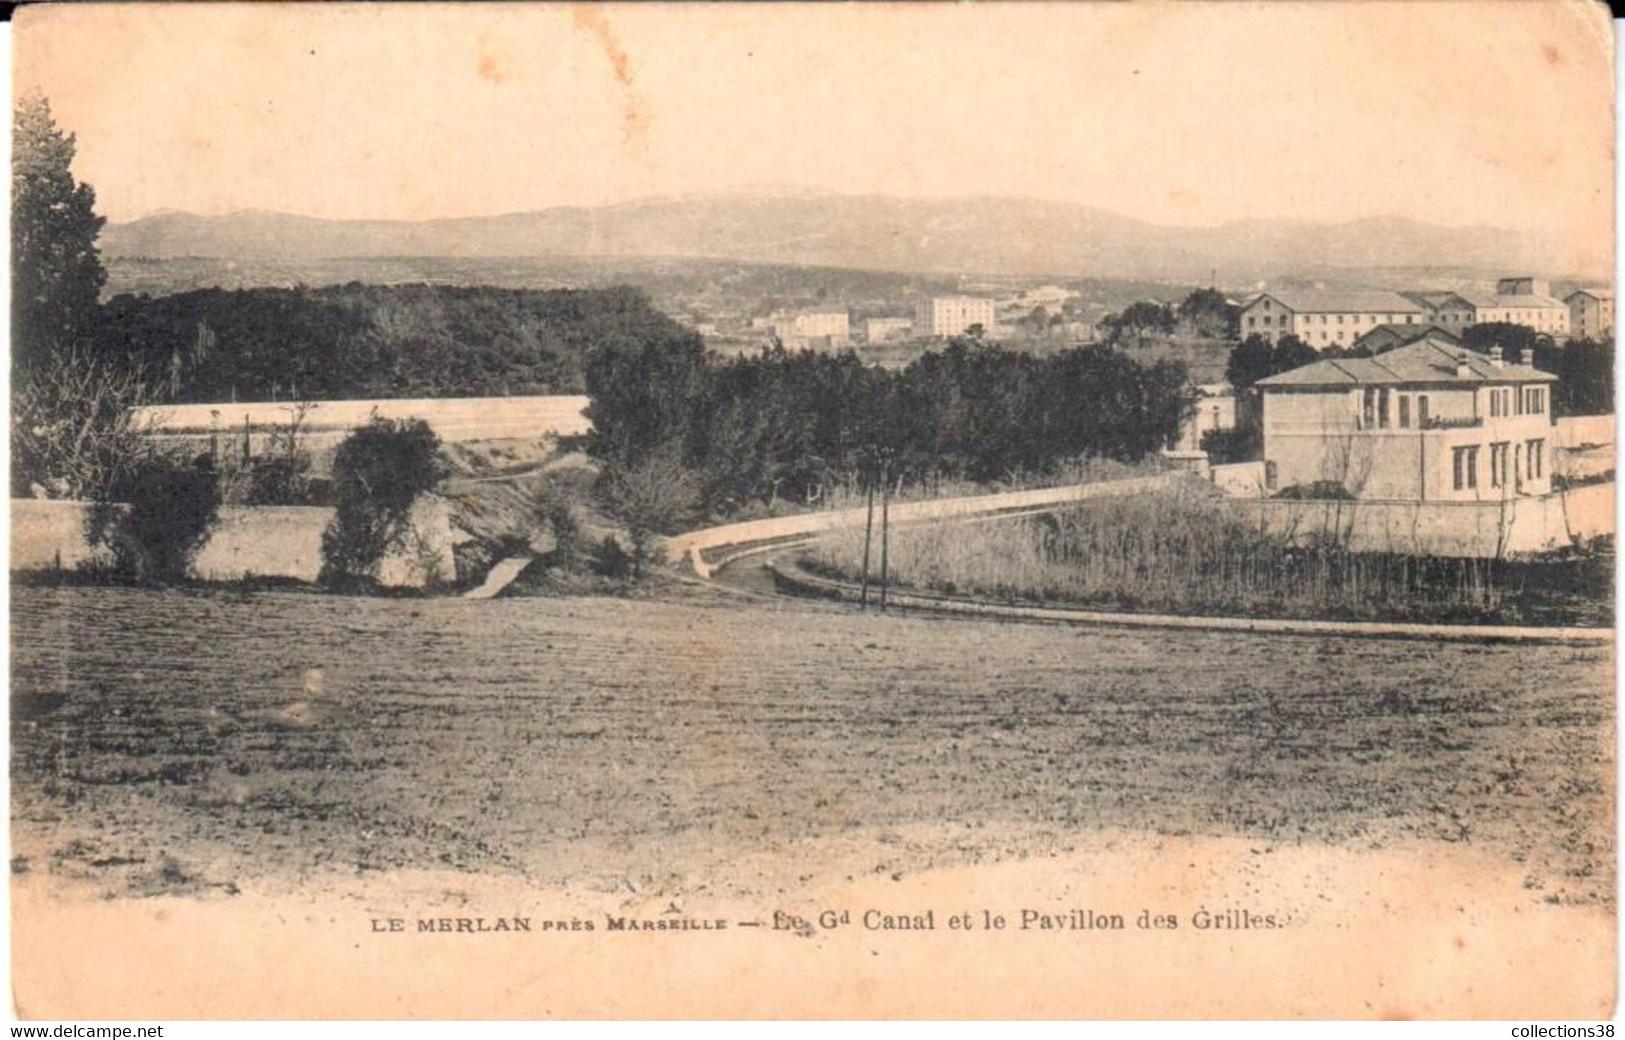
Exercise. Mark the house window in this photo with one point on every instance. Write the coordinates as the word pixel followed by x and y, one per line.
pixel 1340 319
pixel 1495 403
pixel 1382 408
pixel 1464 468
pixel 1498 464
pixel 1271 477
pixel 1249 321
pixel 1534 400
pixel 1536 458
pixel 1404 412
pixel 1422 411
pixel 1369 412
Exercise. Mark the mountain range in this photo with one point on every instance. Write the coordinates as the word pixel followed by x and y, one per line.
pixel 980 235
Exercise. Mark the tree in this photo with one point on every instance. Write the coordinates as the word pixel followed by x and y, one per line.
pixel 1291 352
pixel 73 432
pixel 653 495
pixel 1208 313
pixel 1251 360
pixel 1509 336
pixel 57 273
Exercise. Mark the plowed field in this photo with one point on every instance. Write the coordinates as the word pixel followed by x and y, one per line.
pixel 197 741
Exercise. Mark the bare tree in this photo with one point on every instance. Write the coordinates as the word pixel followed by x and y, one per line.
pixel 73 431
pixel 653 496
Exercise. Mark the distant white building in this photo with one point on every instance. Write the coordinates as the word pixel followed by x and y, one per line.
pixel 823 328
pixel 1521 301
pixel 943 316
pixel 1325 319
pixel 879 330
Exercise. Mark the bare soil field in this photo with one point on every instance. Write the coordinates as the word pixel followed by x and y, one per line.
pixel 202 743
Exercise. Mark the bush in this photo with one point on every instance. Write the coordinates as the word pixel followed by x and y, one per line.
pixel 1319 491
pixel 566 534
pixel 277 481
pixel 378 473
pixel 612 561
pixel 171 507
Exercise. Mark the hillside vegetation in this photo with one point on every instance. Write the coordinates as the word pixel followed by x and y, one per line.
pixel 367 341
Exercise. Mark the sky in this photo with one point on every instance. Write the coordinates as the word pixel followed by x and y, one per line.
pixel 1457 113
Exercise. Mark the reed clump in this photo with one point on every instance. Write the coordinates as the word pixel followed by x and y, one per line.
pixel 1185 551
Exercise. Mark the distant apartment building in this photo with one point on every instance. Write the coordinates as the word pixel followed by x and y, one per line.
pixel 1325 319
pixel 1422 423
pixel 1591 313
pixel 943 316
pixel 1521 301
pixel 880 330
pixel 813 329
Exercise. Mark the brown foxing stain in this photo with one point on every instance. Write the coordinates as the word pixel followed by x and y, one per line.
pixel 1552 54
pixel 634 115
pixel 592 20
pixel 489 69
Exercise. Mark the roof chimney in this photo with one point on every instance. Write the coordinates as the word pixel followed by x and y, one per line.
pixel 1496 357
pixel 1463 370
pixel 1526 357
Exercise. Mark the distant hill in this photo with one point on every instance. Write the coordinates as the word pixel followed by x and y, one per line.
pixel 1019 237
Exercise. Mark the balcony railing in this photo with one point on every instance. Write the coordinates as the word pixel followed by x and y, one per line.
pixel 1441 422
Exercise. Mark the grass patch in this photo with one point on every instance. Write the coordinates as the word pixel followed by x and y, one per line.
pixel 1183 551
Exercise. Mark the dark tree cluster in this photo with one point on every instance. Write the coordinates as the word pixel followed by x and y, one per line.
pixel 367 341
pixel 789 425
pixel 1584 368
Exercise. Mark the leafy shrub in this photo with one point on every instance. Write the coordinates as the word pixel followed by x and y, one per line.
pixel 611 560
pixel 566 533
pixel 1319 490
pixel 278 481
pixel 378 472
pixel 170 508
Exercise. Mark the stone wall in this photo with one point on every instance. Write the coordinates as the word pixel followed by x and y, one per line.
pixel 1530 524
pixel 247 542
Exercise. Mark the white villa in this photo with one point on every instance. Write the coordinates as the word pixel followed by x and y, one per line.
pixel 1421 423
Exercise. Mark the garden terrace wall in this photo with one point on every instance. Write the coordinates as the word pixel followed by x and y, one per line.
pixel 245 542
pixel 326 423
pixel 1531 524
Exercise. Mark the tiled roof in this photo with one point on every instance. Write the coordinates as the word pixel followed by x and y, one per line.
pixel 1435 298
pixel 1492 301
pixel 1344 302
pixel 1411 333
pixel 1601 294
pixel 1424 362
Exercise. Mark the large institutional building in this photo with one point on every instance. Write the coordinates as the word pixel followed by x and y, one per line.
pixel 943 316
pixel 1326 319
pixel 1338 319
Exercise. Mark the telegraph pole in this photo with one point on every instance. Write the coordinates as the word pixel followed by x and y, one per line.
pixel 885 529
pixel 867 472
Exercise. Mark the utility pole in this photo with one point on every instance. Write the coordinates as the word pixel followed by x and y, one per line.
pixel 868 527
pixel 885 529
